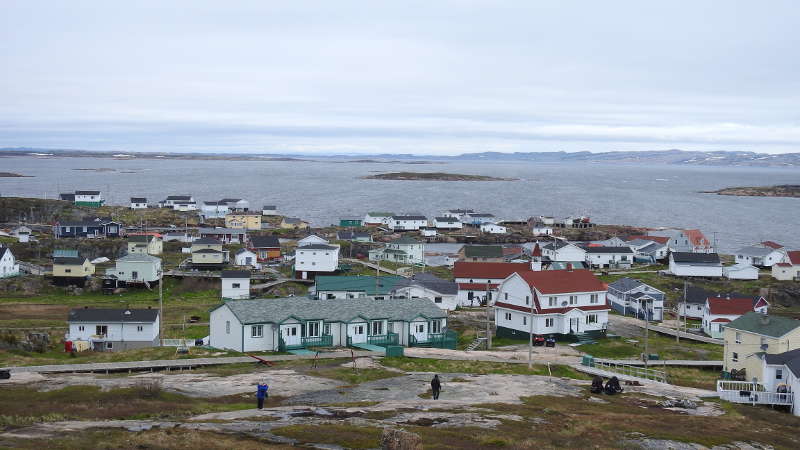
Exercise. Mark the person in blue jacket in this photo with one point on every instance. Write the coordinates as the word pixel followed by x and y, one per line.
pixel 261 394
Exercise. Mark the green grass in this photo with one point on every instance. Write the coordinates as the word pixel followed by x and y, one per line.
pixel 58 356
pixel 351 377
pixel 344 435
pixel 479 367
pixel 665 347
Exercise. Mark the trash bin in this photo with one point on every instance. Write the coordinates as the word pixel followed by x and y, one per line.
pixel 653 357
pixel 588 361
pixel 394 350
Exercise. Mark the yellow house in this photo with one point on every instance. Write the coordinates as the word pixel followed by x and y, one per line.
pixel 72 267
pixel 208 251
pixel 243 221
pixel 754 334
pixel 293 223
pixel 145 245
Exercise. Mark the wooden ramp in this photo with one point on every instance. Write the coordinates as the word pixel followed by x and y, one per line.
pixel 302 351
pixel 370 347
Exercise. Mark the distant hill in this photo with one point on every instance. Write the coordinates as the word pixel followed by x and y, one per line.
pixel 675 156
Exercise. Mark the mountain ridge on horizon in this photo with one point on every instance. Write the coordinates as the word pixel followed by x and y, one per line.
pixel 670 156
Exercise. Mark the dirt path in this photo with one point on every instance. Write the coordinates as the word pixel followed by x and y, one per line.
pixel 560 354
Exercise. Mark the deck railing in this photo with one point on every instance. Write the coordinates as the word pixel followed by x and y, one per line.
pixel 325 340
pixel 383 339
pixel 177 342
pixel 632 371
pixel 753 393
pixel 448 339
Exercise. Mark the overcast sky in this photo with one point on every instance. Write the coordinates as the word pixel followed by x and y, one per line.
pixel 434 77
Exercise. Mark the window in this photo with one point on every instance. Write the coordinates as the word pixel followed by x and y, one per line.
pixel 67 270
pixel 140 328
pixel 552 301
pixel 420 328
pixel 236 285
pixel 591 318
pixel 573 299
pixel 109 345
pixel 778 374
pixel 735 357
pixel 134 275
pixel 101 330
pixel 505 296
pixel 257 331
pixel 524 320
pixel 593 298
pixel 437 300
pixel 313 329
pixel 227 327
pixel 377 327
pixel 548 323
pixel 436 326
pixel 508 316
pixel 80 328
pixel 527 299
pixel 738 337
pixel 327 329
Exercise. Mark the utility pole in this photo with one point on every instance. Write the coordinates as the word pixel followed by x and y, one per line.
pixel 161 304
pixel 530 336
pixel 678 325
pixel 488 318
pixel 646 333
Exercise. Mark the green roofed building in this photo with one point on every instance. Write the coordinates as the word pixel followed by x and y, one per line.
pixel 350 222
pixel 333 287
pixel 294 323
pixel 482 253
pixel 753 335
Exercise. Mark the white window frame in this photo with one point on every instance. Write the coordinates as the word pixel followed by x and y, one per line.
pixel 549 322
pixel 256 331
pixel 552 301
pixel 227 327
pixel 508 316
pixel 594 298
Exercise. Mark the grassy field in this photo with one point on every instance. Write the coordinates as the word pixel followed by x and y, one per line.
pixel 665 347
pixel 479 367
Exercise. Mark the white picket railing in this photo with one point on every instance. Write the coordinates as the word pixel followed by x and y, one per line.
pixel 633 371
pixel 749 392
pixel 177 342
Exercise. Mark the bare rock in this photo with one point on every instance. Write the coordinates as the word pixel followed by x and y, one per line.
pixel 392 439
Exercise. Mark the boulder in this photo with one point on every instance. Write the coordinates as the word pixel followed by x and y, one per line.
pixel 392 439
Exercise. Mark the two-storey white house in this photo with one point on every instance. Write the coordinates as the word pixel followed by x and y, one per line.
pixel 633 297
pixel 114 329
pixel 295 323
pixel 479 280
pixel 138 203
pixel 136 268
pixel 560 302
pixel 447 223
pixel 407 223
pixel 313 259
pixel 311 239
pixel 611 257
pixel 8 263
pixel 765 254
pixel 562 250
pixel 235 284
pixel 789 268
pixel 373 219
pixel 404 250
pixel 214 210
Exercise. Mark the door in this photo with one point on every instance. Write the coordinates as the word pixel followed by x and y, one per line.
pixel 357 332
pixel 420 331
pixel 574 324
pixel 291 334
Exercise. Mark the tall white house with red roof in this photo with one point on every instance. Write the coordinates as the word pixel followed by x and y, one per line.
pixel 564 302
pixel 690 241
pixel 476 279
pixel 720 311
pixel 789 268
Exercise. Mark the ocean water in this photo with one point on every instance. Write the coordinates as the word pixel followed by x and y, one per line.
pixel 321 192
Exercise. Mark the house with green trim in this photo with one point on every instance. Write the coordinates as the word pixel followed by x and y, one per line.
pixel 295 323
pixel 356 286
pixel 93 199
pixel 351 222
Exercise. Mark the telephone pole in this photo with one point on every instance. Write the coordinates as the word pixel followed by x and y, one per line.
pixel 161 304
pixel 488 317
pixel 530 336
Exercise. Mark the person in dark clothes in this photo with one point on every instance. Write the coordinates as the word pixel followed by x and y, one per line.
pixel 597 385
pixel 261 394
pixel 612 386
pixel 436 386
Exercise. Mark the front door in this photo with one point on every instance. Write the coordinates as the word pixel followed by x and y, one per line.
pixel 574 324
pixel 420 331
pixel 357 333
pixel 291 334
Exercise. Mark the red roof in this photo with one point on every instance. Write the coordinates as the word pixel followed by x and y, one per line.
pixel 697 237
pixel 537 251
pixel 508 251
pixel 563 281
pixel 476 286
pixel 730 306
pixel 496 271
pixel 771 244
pixel 721 320
pixel 794 257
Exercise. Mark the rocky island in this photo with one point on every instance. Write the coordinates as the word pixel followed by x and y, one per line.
pixel 433 176
pixel 13 175
pixel 784 190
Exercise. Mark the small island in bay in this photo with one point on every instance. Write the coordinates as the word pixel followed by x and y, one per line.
pixel 13 175
pixel 784 190
pixel 434 176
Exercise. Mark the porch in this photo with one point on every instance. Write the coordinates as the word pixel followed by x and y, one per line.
pixel 381 340
pixel 325 340
pixel 750 392
pixel 448 339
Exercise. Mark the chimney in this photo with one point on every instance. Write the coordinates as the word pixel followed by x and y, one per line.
pixel 764 319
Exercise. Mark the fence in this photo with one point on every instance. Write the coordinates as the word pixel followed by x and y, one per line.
pixel 632 371
pixel 177 343
pixel 749 392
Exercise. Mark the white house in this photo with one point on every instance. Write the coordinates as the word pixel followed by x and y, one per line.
pixel 312 259
pixel 89 198
pixel 294 323
pixel 235 284
pixel 246 258
pixel 781 374
pixel 214 210
pixel 647 251
pixel 377 219
pixel 185 206
pixel 478 218
pixel 688 241
pixel 561 250
pixel 460 214
pixel 478 280
pixel 542 229
pixel 312 239
pixel 407 223
pixel 740 271
pixel 22 233
pixel 114 329
pixel 613 257
pixel 171 200
pixel 8 264
pixel 444 293
pixel 136 268
pixel 695 302
pixel 695 264
pixel 761 255
pixel 565 302
pixel 236 204
pixel 493 228
pixel 138 203
pixel 719 311
pixel 447 223
pixel 404 250
pixel 629 296
pixel 789 268
pixel 427 232
pixel 269 210
pixel 146 244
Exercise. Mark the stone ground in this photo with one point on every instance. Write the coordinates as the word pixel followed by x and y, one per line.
pixel 315 400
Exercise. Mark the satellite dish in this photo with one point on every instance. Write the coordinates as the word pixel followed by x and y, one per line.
pixel 563 303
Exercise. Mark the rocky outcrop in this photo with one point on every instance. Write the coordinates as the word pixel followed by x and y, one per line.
pixel 392 439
